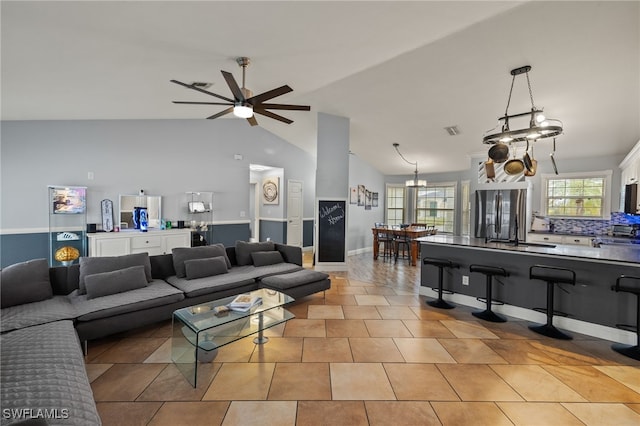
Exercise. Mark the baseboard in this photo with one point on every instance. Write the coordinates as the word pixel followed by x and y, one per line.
pixel 359 251
pixel 596 330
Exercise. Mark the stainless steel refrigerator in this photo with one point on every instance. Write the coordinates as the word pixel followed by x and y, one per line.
pixel 497 213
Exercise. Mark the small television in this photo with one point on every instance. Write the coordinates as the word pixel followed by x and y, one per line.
pixel 68 200
pixel 197 207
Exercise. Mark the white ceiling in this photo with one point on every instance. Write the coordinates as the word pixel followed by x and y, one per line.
pixel 401 71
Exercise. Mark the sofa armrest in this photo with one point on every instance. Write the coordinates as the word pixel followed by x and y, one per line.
pixel 291 254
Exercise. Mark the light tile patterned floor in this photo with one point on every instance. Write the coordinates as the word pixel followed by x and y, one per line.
pixel 370 352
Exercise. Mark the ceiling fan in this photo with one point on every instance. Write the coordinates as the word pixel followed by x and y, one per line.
pixel 244 104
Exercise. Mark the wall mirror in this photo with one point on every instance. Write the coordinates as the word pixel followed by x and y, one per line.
pixel 129 202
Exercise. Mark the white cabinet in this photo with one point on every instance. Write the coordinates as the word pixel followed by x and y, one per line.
pixel 559 239
pixel 129 242
pixel 631 166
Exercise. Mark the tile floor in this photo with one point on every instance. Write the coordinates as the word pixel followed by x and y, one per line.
pixel 370 352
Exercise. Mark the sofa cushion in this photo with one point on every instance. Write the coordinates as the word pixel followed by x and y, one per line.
pixel 25 282
pixel 263 258
pixel 43 370
pixel 244 250
pixel 293 279
pixel 181 254
pixel 26 315
pixel 156 293
pixel 119 281
pixel 237 276
pixel 96 265
pixel 207 267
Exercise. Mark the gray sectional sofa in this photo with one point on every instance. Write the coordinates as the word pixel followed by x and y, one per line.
pixel 46 313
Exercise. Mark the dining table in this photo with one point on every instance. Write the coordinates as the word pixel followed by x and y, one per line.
pixel 411 233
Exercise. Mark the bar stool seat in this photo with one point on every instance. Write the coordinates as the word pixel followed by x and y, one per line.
pixel 440 264
pixel 489 272
pixel 624 284
pixel 552 275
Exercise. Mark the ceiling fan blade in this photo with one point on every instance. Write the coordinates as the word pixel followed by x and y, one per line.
pixel 231 82
pixel 285 106
pixel 252 120
pixel 201 103
pixel 189 86
pixel 257 99
pixel 272 115
pixel 221 113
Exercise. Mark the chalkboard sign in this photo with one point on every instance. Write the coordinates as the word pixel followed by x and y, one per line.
pixel 331 231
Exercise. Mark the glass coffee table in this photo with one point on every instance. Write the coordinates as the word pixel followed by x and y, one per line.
pixel 198 331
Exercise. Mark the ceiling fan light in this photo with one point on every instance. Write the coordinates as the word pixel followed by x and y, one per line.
pixel 243 111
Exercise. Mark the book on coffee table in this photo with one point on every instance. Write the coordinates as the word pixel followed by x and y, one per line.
pixel 244 302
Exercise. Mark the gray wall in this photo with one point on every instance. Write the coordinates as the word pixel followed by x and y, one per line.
pixel 360 220
pixel 163 157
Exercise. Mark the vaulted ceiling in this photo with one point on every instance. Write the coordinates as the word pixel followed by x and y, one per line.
pixel 401 71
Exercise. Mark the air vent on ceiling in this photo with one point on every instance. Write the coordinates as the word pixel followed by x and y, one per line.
pixel 452 130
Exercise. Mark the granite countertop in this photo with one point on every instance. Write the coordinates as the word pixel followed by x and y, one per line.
pixel 605 253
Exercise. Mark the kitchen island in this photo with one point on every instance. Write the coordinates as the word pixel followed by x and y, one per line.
pixel 592 306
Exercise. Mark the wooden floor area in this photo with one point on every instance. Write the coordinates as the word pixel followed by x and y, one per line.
pixel 370 352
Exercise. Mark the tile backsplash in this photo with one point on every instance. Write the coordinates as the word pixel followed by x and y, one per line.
pixel 592 226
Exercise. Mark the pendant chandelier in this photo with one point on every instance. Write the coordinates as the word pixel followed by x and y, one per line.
pixel 540 127
pixel 415 182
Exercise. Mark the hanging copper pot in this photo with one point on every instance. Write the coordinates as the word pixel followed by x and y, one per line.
pixel 489 169
pixel 499 153
pixel 531 171
pixel 514 166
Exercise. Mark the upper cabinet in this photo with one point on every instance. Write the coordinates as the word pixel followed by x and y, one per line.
pixel 631 166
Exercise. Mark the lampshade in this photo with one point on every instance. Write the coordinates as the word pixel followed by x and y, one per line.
pixel 416 183
pixel 243 111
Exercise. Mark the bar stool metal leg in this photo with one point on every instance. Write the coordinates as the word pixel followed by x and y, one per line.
pixel 440 264
pixel 489 272
pixel 546 273
pixel 628 350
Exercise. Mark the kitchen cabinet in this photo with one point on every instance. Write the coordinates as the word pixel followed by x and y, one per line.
pixel 579 240
pixel 631 166
pixel 130 242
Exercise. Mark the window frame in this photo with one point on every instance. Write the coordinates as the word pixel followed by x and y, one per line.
pixel 386 199
pixel 454 210
pixel 606 196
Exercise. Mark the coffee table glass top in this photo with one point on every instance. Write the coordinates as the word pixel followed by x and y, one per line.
pixel 199 330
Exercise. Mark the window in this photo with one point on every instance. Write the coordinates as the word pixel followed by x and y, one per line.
pixel 395 204
pixel 577 195
pixel 466 208
pixel 436 206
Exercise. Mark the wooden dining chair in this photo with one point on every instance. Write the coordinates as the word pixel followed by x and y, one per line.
pixel 386 239
pixel 401 241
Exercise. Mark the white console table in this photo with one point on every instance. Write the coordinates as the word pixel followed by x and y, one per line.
pixel 131 241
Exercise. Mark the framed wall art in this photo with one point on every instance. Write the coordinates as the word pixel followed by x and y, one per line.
pixel 361 195
pixel 353 195
pixel 271 190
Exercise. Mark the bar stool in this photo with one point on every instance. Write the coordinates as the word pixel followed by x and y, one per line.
pixel 489 272
pixel 440 264
pixel 402 241
pixel 628 350
pixel 552 275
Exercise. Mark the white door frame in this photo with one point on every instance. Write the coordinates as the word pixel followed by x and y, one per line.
pixel 256 210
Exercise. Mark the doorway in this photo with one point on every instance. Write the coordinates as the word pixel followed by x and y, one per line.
pixel 294 213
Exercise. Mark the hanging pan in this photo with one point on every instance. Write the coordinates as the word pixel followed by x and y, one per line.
pixel 490 170
pixel 553 160
pixel 514 166
pixel 526 159
pixel 534 165
pixel 499 153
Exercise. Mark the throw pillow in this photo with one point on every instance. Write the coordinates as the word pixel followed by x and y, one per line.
pixel 244 250
pixel 107 283
pixel 263 258
pixel 25 282
pixel 182 254
pixel 97 265
pixel 207 267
